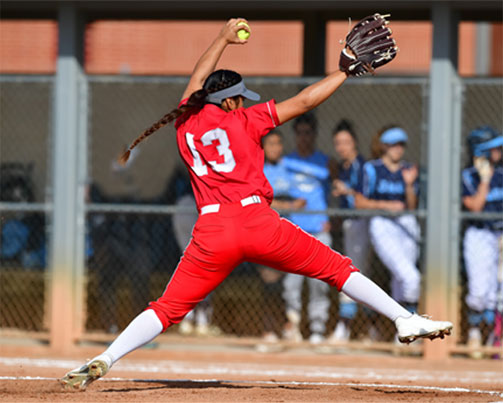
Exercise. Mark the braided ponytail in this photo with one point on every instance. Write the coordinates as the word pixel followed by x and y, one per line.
pixel 216 81
pixel 195 102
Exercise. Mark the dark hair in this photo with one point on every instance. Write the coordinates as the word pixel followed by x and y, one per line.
pixel 216 81
pixel 221 79
pixel 277 132
pixel 16 182
pixel 345 126
pixel 271 133
pixel 308 118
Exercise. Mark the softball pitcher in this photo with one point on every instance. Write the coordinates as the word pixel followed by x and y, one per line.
pixel 389 183
pixel 482 191
pixel 220 143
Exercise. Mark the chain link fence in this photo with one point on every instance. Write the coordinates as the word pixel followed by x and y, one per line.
pixel 139 218
pixel 25 108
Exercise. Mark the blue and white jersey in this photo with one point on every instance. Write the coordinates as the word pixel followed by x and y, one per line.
pixel 279 177
pixel 310 181
pixel 379 183
pixel 352 178
pixel 494 199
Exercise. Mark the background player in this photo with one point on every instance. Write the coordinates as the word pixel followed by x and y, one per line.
pixel 355 230
pixel 390 183
pixel 308 169
pixel 235 222
pixel 281 181
pixel 482 191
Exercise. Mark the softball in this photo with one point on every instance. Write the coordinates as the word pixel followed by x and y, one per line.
pixel 242 33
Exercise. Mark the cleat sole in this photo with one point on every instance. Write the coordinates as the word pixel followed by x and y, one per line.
pixel 80 379
pixel 432 335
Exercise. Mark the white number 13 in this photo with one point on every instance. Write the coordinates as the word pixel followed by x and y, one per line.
pixel 207 138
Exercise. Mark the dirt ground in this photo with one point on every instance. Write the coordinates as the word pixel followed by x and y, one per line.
pixel 184 373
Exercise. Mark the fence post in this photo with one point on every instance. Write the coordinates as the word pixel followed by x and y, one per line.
pixel 443 177
pixel 314 44
pixel 63 249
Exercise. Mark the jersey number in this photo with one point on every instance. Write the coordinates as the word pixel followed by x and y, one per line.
pixel 207 138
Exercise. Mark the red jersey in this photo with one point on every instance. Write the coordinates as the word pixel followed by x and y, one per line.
pixel 223 152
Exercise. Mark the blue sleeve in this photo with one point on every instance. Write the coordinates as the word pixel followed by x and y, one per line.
pixel 368 183
pixel 307 168
pixel 469 185
pixel 356 177
pixel 268 173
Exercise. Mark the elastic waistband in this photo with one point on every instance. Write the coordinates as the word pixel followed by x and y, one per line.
pixel 215 208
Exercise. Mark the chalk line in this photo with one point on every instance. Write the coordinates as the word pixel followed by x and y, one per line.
pixel 225 369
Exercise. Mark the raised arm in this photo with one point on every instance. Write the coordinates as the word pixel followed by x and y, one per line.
pixel 410 176
pixel 208 61
pixel 368 46
pixel 310 97
pixel 477 201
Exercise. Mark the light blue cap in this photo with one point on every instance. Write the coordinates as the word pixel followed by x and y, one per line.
pixel 493 143
pixel 394 135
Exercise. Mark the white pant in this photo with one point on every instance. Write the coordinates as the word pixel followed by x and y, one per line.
pixel 481 252
pixel 184 222
pixel 395 242
pixel 356 242
pixel 319 301
pixel 356 246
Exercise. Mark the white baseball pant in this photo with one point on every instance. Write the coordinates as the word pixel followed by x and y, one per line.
pixel 319 301
pixel 480 251
pixel 394 240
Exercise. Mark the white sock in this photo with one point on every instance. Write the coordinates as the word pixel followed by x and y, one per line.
pixel 366 292
pixel 142 330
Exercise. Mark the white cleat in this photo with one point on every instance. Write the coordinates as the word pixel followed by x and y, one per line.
pixel 80 378
pixel 316 338
pixel 419 327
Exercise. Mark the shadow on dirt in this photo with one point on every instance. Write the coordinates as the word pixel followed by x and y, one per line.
pixel 160 384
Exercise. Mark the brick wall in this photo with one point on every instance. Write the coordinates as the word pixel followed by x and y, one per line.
pixel 173 47
pixel 159 47
pixel 497 50
pixel 28 46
